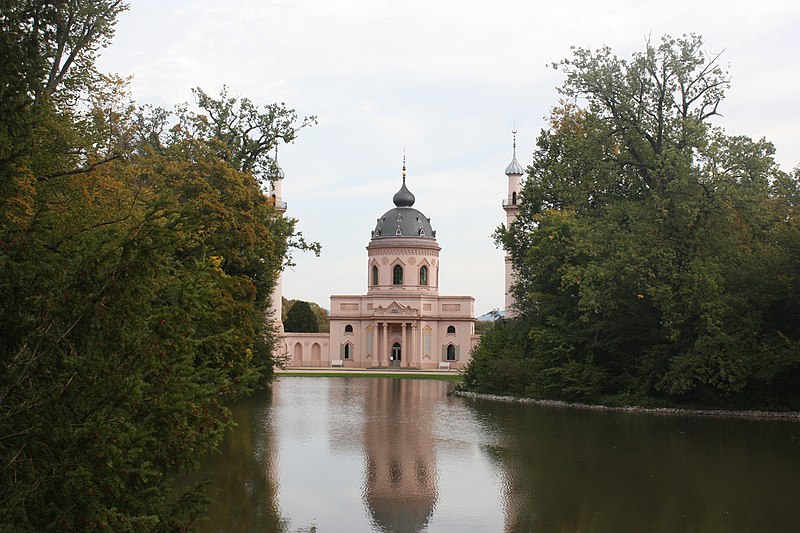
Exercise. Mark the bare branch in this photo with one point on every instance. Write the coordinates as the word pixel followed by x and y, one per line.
pixel 82 170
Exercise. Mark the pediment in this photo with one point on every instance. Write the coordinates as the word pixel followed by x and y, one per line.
pixel 395 308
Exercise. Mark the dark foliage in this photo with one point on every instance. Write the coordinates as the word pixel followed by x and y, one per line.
pixel 136 267
pixel 656 256
pixel 301 319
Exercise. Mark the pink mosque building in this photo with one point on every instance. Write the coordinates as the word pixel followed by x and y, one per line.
pixel 402 321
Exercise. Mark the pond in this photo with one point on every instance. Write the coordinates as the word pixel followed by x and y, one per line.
pixel 364 454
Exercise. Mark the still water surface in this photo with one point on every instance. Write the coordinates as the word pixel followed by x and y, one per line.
pixel 360 454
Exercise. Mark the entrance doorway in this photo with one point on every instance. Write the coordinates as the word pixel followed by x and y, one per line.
pixel 396 355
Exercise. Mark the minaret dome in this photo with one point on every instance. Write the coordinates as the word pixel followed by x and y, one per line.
pixel 514 168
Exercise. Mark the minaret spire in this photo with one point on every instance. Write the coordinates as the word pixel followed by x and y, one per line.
pixel 277 171
pixel 513 131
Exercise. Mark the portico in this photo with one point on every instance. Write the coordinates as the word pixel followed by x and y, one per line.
pixel 398 344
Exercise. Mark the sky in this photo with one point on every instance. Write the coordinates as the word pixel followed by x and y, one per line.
pixel 444 82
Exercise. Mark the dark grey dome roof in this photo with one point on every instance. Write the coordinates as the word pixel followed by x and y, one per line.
pixel 403 220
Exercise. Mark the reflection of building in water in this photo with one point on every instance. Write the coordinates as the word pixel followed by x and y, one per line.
pixel 400 473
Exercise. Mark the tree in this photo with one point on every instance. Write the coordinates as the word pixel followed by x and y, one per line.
pixel 135 273
pixel 323 319
pixel 647 252
pixel 482 326
pixel 500 363
pixel 48 52
pixel 301 319
pixel 244 133
pixel 59 42
pixel 321 314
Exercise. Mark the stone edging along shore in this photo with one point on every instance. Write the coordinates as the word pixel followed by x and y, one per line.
pixel 789 416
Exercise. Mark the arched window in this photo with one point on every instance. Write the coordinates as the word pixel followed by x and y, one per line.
pixel 347 353
pixel 374 274
pixel 514 198
pixel 423 275
pixel 451 352
pixel 451 329
pixel 348 328
pixel 397 275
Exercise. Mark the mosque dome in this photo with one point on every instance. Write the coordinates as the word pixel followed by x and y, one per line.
pixel 403 220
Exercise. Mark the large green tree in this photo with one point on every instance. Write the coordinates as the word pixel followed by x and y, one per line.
pixel 136 265
pixel 656 255
pixel 321 314
pixel 301 318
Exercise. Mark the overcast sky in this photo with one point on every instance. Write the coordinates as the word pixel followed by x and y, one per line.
pixel 441 80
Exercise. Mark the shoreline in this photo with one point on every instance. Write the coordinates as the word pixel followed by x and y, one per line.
pixel 787 416
pixel 410 373
pixel 450 375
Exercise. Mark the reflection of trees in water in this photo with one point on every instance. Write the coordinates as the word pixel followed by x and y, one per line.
pixel 244 490
pixel 400 471
pixel 574 470
pixel 345 415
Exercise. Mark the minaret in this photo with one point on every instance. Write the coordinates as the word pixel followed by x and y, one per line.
pixel 514 172
pixel 276 178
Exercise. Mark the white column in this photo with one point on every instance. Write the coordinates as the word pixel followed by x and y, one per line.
pixel 378 345
pixel 373 351
pixel 386 352
pixel 414 344
pixel 406 345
